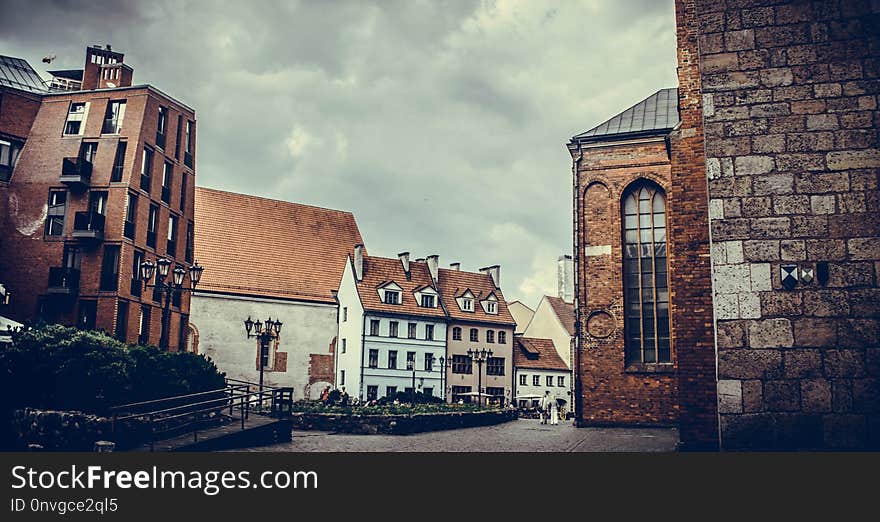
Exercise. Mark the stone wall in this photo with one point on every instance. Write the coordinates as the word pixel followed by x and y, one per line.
pixel 789 94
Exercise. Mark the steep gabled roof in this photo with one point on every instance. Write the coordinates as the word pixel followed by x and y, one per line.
pixel 269 248
pixel 379 270
pixel 656 114
pixel 564 311
pixel 537 354
pixel 453 283
pixel 18 74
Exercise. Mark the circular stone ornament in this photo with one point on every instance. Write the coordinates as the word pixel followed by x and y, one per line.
pixel 600 324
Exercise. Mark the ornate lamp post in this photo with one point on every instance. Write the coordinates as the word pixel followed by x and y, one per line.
pixel 169 287
pixel 411 365
pixel 442 369
pixel 265 334
pixel 479 357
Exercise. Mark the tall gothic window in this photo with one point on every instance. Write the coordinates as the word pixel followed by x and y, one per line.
pixel 646 291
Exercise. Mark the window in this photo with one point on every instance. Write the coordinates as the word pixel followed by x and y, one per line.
pixel 344 314
pixel 392 329
pixel 144 326
pixel 522 379
pixel 136 286
pixel 76 117
pixel 128 228
pixel 343 345
pixel 88 312
pixel 411 330
pixel 410 360
pixel 98 202
pixel 502 337
pixel 167 172
pixel 146 169
pixel 110 268
pixel 392 297
pixel 646 293
pixel 459 393
pixel 392 359
pixel 549 380
pixel 264 356
pixel 188 252
pixel 374 327
pixel 490 336
pixel 456 334
pixel 429 362
pixel 183 191
pixel 390 390
pixel 113 117
pixel 188 144
pixel 560 381
pixel 374 358
pixel 161 127
pixel 342 377
pixel 177 140
pixel 372 392
pixel 119 162
pixel 495 366
pixel 429 332
pixel 121 320
pixel 462 364
pixel 152 225
pixel 88 150
pixel 171 247
pixel 55 214
pixel 428 301
pixel 536 380
pixel 8 157
pixel 475 335
pixel 491 307
pixel 428 390
pixel 467 304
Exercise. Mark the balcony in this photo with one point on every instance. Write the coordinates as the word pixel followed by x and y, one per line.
pixel 88 226
pixel 76 172
pixel 63 281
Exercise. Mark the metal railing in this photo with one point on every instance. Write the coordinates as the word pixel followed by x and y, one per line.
pixel 88 221
pixel 175 416
pixel 63 280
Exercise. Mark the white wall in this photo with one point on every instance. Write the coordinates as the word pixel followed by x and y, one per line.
pixel 350 329
pixel 559 392
pixel 546 325
pixel 522 314
pixel 307 328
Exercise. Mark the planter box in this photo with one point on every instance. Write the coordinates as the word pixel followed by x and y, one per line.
pixel 398 424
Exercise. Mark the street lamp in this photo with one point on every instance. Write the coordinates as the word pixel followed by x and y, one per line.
pixel 442 370
pixel 168 287
pixel 411 365
pixel 272 330
pixel 479 357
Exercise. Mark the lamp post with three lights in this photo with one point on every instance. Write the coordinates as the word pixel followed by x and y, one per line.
pixel 168 287
pixel 479 357
pixel 271 330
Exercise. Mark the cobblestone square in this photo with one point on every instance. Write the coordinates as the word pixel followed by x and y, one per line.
pixel 522 435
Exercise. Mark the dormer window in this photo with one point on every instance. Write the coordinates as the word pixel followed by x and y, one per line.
pixel 392 297
pixel 490 304
pixel 428 301
pixel 490 308
pixel 467 305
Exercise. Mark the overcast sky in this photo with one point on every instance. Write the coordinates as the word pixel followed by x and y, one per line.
pixel 441 125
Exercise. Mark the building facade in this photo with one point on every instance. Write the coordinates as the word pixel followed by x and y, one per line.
pixel 392 327
pixel 275 259
pixel 479 319
pixel 522 315
pixel 539 370
pixel 102 181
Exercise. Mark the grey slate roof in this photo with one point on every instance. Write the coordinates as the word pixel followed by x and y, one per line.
pixel 18 74
pixel 657 113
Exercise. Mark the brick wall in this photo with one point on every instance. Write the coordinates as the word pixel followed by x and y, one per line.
pixel 610 393
pixel 789 94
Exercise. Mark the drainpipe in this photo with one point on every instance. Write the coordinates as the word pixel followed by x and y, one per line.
pixel 576 373
pixel 363 350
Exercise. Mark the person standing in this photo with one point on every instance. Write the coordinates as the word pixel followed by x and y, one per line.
pixel 554 412
pixel 545 406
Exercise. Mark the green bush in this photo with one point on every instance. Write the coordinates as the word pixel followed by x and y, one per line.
pixel 407 398
pixel 56 367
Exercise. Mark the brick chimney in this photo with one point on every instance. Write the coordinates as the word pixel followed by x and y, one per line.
pixel 404 261
pixel 455 266
pixel 359 261
pixel 105 69
pixel 433 266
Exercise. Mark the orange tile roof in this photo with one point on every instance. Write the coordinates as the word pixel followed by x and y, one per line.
pixel 537 354
pixel 380 271
pixel 264 247
pixel 564 311
pixel 453 283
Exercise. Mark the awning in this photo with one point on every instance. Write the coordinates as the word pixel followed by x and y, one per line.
pixel 6 326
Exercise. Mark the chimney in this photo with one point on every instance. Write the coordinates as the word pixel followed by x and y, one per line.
pixel 104 69
pixel 433 265
pixel 359 261
pixel 565 278
pixel 494 272
pixel 404 260
pixel 455 266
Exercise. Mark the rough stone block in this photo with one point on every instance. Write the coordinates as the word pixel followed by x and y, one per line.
pixel 731 334
pixel 765 110
pixel 716 209
pixel 739 40
pixel 757 206
pixel 861 333
pixel 851 202
pixel 726 306
pixel 782 396
pixel 841 395
pixel 854 159
pixel 714 63
pixel 733 252
pixel 750 165
pixel 770 333
pixel 818 333
pixel 749 364
pixel 826 249
pixel 820 182
pixel 822 204
pixel 793 204
pixel 749 305
pixel 847 364
pixel 825 303
pixel 864 248
pixel 802 363
pixel 822 122
pixel 780 303
pixel 729 396
pixel 845 431
pixel 800 162
pixel 766 250
pixel 792 250
pixel 769 143
pixel 760 277
pixel 771 228
pixel 816 395
pixel 753 396
pixel 809 226
pixel 728 229
pixel 866 395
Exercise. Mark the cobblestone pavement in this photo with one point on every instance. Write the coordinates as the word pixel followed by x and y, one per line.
pixel 525 435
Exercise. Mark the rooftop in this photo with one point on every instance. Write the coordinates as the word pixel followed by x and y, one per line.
pixel 18 74
pixel 656 114
pixel 70 74
pixel 537 354
pixel 564 311
pixel 268 248
pixel 380 271
pixel 453 283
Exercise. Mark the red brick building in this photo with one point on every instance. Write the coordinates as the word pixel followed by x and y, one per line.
pixel 103 179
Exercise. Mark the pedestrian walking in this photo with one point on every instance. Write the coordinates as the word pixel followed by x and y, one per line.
pixel 545 406
pixel 554 412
